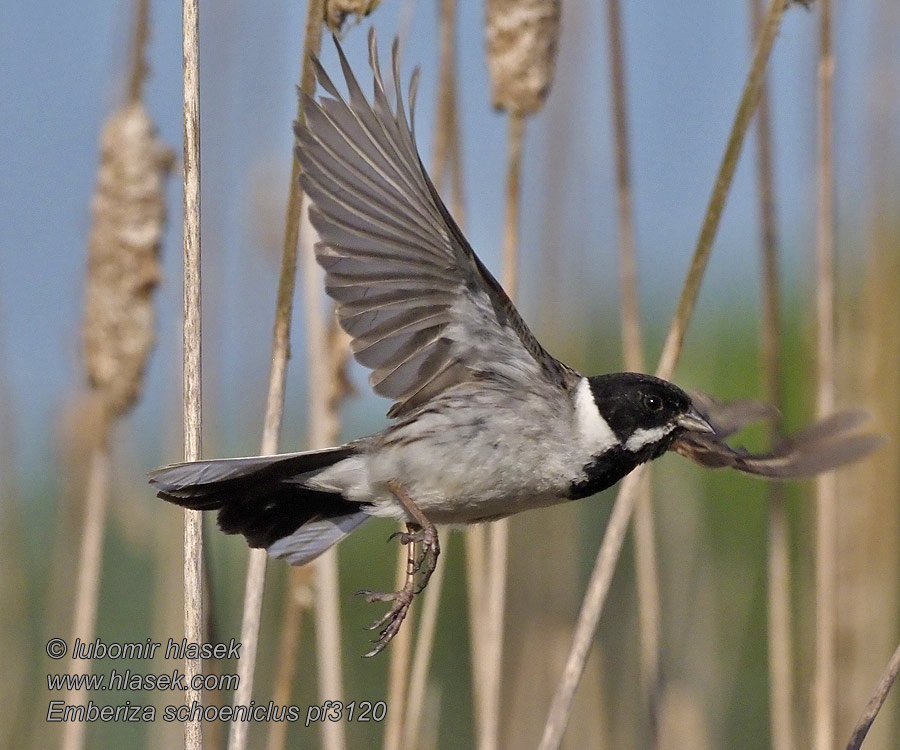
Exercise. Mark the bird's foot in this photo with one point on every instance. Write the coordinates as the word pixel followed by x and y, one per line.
pixel 423 550
pixel 390 622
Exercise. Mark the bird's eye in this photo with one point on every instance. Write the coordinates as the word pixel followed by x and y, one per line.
pixel 652 403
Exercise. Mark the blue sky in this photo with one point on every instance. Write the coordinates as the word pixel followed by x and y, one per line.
pixel 61 75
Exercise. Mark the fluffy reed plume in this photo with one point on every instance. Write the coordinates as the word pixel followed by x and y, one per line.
pixel 522 36
pixel 337 11
pixel 128 216
pixel 123 257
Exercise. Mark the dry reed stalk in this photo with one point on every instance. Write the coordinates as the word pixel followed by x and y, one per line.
pixel 323 428
pixel 128 217
pixel 88 581
pixel 495 609
pixel 328 645
pixel 746 108
pixel 398 666
pixel 614 536
pixel 781 673
pixel 632 338
pixel 875 702
pixel 406 687
pixel 683 714
pixel 514 140
pixel 522 38
pixel 868 575
pixel 20 641
pixel 476 578
pixel 166 605
pixel 475 536
pixel 429 736
pixel 418 679
pixel 301 583
pixel 591 607
pixel 494 592
pixel 632 349
pixel 193 529
pixel 825 679
pixel 781 688
pixel 281 342
pixel 300 598
pixel 447 160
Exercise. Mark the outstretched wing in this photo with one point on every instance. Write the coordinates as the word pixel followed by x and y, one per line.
pixel 422 310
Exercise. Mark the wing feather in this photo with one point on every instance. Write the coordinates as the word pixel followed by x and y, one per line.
pixel 422 310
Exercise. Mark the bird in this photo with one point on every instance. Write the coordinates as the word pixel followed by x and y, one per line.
pixel 485 423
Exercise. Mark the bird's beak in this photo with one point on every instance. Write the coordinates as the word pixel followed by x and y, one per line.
pixel 694 421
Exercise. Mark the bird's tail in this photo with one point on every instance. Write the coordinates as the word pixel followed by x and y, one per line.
pixel 264 498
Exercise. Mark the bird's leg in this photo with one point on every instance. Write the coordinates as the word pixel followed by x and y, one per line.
pixel 418 531
pixel 426 535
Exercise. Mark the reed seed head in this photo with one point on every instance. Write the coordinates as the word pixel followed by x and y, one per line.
pixel 336 11
pixel 128 216
pixel 522 37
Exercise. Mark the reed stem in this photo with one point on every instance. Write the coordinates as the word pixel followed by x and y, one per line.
pixel 781 679
pixel 875 702
pixel 87 586
pixel 632 349
pixel 193 530
pixel 281 338
pixel 825 680
pixel 611 546
pixel 498 533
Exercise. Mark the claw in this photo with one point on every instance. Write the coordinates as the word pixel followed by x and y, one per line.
pixel 421 560
pixel 379 622
pixel 379 647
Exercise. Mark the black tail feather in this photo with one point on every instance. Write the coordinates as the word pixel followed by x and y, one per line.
pixel 261 497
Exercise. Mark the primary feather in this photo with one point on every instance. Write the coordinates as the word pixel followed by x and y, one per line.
pixel 422 310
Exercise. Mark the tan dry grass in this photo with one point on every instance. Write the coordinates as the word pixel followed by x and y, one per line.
pixel 281 334
pixel 119 327
pixel 613 538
